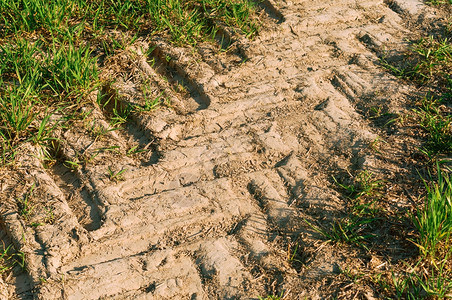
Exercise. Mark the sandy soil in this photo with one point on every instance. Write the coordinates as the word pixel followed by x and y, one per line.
pixel 214 204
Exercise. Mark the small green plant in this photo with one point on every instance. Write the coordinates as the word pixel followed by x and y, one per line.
pixel 375 144
pixel 436 282
pixel 354 275
pixel 363 185
pixel 9 258
pixel 438 124
pixel 405 286
pixel 134 150
pixel 149 103
pixel 50 215
pixel 295 256
pixel 5 258
pixel 98 131
pixel 73 165
pixel 273 297
pixel 118 118
pixel 119 113
pixel 113 149
pixel 343 231
pixel 439 2
pixel 19 259
pixel 350 230
pixel 420 281
pixel 25 207
pixel 355 227
pixel 428 63
pixel 115 176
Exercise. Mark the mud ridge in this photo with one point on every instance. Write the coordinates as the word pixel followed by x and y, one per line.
pixel 166 67
pixel 271 10
pixel 78 197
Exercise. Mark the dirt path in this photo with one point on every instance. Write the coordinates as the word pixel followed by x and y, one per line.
pixel 210 208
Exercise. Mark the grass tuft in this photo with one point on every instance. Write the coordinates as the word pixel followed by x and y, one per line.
pixel 434 220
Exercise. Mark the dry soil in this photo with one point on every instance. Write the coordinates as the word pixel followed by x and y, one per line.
pixel 216 202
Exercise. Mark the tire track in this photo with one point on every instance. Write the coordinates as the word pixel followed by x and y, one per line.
pixel 215 207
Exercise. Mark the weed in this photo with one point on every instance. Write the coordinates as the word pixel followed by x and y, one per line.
pixel 73 165
pixel 19 259
pixel 119 117
pixel 363 185
pixel 42 134
pixel 438 2
pixel 98 131
pixel 134 150
pixel 421 282
pixel 350 230
pixel 273 297
pixel 25 207
pixel 376 112
pixel 7 151
pixel 9 258
pixel 295 256
pixel 88 157
pixel 405 286
pixel 375 144
pixel 351 274
pixel 17 113
pixel 149 103
pixel 354 228
pixel 438 124
pixel 436 282
pixel 115 176
pixel 36 224
pixel 113 149
pixel 4 259
pixel 428 61
pixel 118 111
pixel 50 216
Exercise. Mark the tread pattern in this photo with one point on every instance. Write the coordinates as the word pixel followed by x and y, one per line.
pixel 228 174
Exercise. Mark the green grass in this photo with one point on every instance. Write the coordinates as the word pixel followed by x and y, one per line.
pixel 9 258
pixel 185 21
pixel 428 61
pixel 429 64
pixel 350 230
pixel 115 176
pixel 431 276
pixel 355 228
pixel 434 220
pixel 436 121
pixel 439 2
pixel 428 276
pixel 419 281
pixel 364 184
pixel 272 297
pixel 433 62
